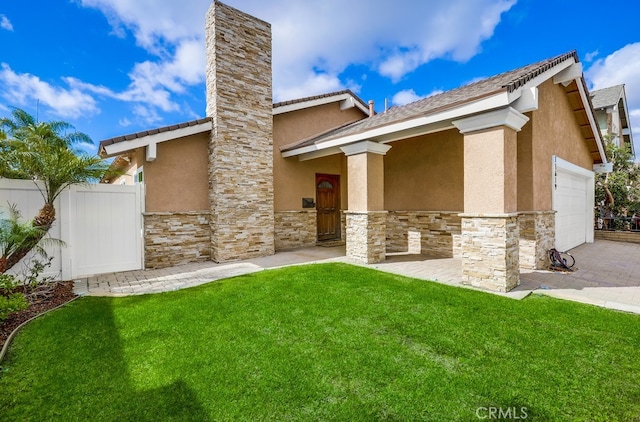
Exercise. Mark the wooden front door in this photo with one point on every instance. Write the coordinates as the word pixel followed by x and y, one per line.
pixel 328 206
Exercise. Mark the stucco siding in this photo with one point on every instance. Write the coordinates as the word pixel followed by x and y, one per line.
pixel 177 180
pixel 555 131
pixel 525 167
pixel 301 124
pixel 425 173
pixel 294 179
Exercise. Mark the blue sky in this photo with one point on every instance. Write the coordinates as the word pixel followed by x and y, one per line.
pixel 113 67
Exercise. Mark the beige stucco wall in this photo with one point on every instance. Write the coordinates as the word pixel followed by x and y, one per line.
pixel 294 179
pixel 425 173
pixel 366 182
pixel 552 130
pixel 490 167
pixel 177 180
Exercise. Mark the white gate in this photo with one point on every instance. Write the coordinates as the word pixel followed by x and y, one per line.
pixel 101 226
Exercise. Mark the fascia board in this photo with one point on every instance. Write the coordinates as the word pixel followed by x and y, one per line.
pixel 541 78
pixel 594 127
pixel 320 101
pixel 123 146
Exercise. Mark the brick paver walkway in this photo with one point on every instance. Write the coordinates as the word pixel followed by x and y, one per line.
pixel 174 278
pixel 608 274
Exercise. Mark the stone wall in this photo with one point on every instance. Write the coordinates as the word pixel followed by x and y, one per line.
pixel 295 229
pixel 632 237
pixel 176 238
pixel 490 251
pixel 366 236
pixel 537 236
pixel 239 101
pixel 430 232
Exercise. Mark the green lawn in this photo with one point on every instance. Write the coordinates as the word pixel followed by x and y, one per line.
pixel 323 342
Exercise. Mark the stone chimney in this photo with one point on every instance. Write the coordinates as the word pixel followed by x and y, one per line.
pixel 240 104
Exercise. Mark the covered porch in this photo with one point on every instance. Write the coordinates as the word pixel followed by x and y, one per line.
pixel 472 174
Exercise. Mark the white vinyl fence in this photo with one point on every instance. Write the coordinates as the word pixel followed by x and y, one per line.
pixel 100 225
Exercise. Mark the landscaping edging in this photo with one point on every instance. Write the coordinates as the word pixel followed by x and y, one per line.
pixel 5 347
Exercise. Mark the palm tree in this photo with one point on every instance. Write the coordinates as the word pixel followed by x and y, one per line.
pixel 46 153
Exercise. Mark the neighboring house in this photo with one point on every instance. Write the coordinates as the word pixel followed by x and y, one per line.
pixel 124 171
pixel 612 114
pixel 495 172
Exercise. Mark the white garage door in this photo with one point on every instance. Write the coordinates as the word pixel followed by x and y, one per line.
pixel 573 192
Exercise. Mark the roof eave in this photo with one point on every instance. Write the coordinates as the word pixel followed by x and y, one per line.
pixel 346 100
pixel 386 133
pixel 114 149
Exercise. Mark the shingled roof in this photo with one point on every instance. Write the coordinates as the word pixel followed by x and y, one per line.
pixel 319 97
pixel 144 133
pixel 606 97
pixel 504 82
pixel 332 96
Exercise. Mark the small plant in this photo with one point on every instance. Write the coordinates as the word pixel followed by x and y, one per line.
pixel 10 300
pixel 36 286
pixel 8 282
pixel 13 303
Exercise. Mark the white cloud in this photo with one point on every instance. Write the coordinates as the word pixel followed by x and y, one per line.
pixel 409 96
pixel 22 89
pixel 152 83
pixel 405 97
pixel 313 42
pixel 5 23
pixel 590 56
pixel 621 67
pixel 154 22
pixel 148 115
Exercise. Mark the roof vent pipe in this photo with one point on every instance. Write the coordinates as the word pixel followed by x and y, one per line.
pixel 371 111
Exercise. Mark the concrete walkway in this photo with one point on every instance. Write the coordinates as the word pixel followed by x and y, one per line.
pixel 607 274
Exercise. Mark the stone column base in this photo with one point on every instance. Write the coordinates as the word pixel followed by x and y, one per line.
pixel 537 236
pixel 490 251
pixel 366 236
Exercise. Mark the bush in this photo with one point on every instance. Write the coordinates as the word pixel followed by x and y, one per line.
pixel 14 302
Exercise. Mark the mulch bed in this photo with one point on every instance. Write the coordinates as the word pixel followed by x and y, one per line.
pixel 61 293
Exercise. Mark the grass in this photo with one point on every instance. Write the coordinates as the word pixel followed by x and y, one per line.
pixel 323 342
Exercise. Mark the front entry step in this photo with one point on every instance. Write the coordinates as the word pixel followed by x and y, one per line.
pixel 330 243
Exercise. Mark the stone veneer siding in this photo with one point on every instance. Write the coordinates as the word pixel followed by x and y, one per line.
pixel 366 235
pixel 239 101
pixel 429 232
pixel 631 237
pixel 176 238
pixel 490 251
pixel 295 229
pixel 537 236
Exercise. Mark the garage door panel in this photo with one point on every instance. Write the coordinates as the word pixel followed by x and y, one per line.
pixel 571 203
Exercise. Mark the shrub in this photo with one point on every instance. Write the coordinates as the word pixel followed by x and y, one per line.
pixel 14 302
